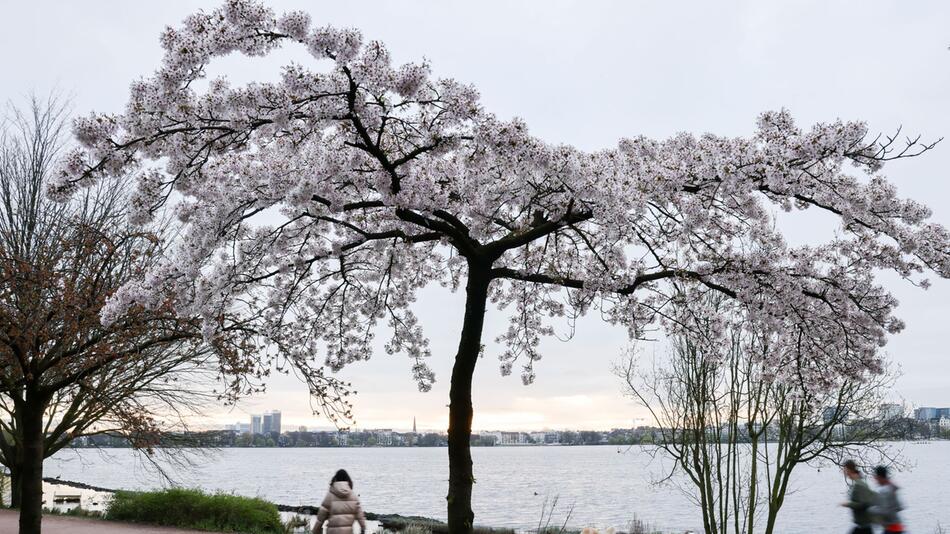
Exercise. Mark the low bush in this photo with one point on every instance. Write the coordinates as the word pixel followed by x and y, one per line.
pixel 556 530
pixel 296 523
pixel 76 511
pixel 188 508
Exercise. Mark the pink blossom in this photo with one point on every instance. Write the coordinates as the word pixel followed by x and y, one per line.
pixel 386 180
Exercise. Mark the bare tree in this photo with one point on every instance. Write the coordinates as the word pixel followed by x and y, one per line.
pixel 735 432
pixel 63 373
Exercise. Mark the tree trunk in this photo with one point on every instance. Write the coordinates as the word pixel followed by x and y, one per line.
pixel 15 487
pixel 9 459
pixel 460 515
pixel 31 477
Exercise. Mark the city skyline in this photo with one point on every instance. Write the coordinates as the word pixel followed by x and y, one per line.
pixel 264 423
pixel 886 410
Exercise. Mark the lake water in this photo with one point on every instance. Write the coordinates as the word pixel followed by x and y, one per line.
pixel 606 485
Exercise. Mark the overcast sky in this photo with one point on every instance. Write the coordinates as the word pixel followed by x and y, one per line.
pixel 585 73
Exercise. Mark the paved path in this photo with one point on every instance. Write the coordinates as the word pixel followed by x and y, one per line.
pixel 9 524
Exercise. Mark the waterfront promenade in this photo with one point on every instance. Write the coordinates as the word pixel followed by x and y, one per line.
pixel 53 524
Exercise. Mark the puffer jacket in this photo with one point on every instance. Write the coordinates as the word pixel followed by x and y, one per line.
pixel 340 509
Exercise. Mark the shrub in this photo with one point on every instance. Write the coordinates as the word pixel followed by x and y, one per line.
pixel 195 509
pixel 76 511
pixel 295 523
pixel 416 528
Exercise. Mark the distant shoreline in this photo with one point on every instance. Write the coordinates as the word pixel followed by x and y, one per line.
pixel 377 446
pixel 512 445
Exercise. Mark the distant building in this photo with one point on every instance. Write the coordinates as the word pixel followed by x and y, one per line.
pixel 267 422
pixel 240 428
pixel 383 436
pixel 538 437
pixel 496 436
pixel 544 437
pixel 342 439
pixel 834 413
pixel 512 438
pixel 839 431
pixel 891 410
pixel 926 413
pixel 270 422
pixel 301 428
pixel 255 424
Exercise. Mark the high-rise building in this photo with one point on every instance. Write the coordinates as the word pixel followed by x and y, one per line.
pixel 891 410
pixel 267 423
pixel 832 413
pixel 926 413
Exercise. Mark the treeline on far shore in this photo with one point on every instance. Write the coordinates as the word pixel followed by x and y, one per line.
pixel 903 429
pixel 372 438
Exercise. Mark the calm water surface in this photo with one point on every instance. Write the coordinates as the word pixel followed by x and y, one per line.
pixel 607 486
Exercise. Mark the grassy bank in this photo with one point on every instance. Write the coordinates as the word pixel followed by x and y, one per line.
pixel 187 508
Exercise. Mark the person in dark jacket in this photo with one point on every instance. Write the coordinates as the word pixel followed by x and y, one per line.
pixel 341 507
pixel 860 499
pixel 888 505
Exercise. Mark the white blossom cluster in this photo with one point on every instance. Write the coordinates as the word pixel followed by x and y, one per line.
pixel 386 180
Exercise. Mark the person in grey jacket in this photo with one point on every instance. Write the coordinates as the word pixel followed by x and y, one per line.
pixel 340 508
pixel 860 498
pixel 888 505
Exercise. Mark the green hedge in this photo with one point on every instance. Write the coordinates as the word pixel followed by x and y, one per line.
pixel 187 508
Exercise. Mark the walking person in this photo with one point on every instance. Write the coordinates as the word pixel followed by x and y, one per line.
pixel 888 505
pixel 860 498
pixel 341 507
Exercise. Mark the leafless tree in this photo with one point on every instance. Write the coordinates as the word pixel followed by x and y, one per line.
pixel 63 374
pixel 735 432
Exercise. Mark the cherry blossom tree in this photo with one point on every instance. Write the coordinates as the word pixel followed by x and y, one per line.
pixel 316 206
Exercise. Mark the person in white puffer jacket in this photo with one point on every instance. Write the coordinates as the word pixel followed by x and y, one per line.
pixel 340 508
